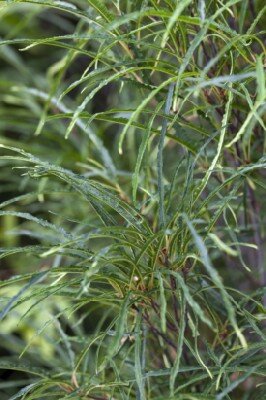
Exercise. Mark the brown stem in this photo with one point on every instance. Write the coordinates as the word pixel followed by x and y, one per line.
pixel 170 326
pixel 153 329
pixel 173 287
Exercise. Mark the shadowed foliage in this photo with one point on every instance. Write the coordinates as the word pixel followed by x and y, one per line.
pixel 132 153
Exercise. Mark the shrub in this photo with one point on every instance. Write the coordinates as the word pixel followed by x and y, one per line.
pixel 132 209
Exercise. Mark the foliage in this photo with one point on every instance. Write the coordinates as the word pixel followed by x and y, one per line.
pixel 132 209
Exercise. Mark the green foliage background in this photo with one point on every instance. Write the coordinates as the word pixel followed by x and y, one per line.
pixel 132 209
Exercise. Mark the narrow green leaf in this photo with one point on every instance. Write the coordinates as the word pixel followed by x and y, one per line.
pixel 138 353
pixel 233 385
pixel 167 109
pixel 163 303
pixel 35 279
pixel 141 152
pixel 216 279
pixel 180 343
pixel 194 305
pixel 180 6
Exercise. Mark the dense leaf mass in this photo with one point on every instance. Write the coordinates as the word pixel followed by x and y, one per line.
pixel 132 240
